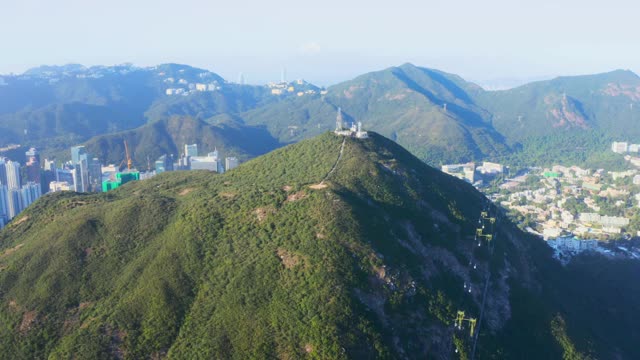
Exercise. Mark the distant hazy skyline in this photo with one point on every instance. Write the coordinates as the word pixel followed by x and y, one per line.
pixel 327 41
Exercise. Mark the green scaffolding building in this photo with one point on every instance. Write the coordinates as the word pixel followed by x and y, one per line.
pixel 121 178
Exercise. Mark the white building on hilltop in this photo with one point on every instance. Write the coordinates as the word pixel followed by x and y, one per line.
pixel 354 131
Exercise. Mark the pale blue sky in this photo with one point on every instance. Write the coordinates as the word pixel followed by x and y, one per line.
pixel 326 41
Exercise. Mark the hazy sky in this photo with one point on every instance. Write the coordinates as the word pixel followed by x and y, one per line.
pixel 326 41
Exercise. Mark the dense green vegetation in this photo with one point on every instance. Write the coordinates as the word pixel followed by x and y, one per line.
pixel 424 110
pixel 268 261
pixel 437 116
pixel 68 107
pixel 588 149
pixel 602 102
pixel 568 120
pixel 170 135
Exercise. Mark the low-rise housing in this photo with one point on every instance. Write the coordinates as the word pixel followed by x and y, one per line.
pixel 611 229
pixel 622 174
pixel 620 147
pixel 60 186
pixel 591 186
pixel 573 244
pixel 610 221
pixel 490 168
pixel 551 232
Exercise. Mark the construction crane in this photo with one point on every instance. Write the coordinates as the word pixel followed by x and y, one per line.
pixel 127 157
pixel 126 150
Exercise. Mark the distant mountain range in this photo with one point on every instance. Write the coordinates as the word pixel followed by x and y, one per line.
pixel 439 117
pixel 330 248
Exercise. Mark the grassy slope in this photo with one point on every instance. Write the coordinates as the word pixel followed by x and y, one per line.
pixel 195 265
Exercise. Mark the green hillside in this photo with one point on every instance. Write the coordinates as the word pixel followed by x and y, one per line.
pixel 323 249
pixel 405 103
pixel 567 104
pixel 169 136
pixel 439 117
pixel 55 107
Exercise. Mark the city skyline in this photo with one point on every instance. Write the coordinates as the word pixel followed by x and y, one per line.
pixel 330 42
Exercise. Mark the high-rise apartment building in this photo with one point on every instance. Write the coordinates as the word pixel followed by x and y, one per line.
pixel 4 211
pixel 13 174
pixel 77 153
pixel 95 175
pixel 34 173
pixel 3 171
pixel 230 163
pixel 191 150
pixel 14 204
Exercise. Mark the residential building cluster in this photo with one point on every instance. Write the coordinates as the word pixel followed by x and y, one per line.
pixel 84 173
pixel 571 201
pixel 191 160
pixel 624 147
pixel 184 87
pixel 58 74
pixel 573 243
pixel 298 87
pixel 462 171
pixel 567 246
pixel 14 195
pixel 181 85
pixel 567 204
pixel 474 174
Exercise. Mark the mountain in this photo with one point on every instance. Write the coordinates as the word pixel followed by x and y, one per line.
pixel 564 120
pixel 439 117
pixel 69 104
pixel 604 102
pixel 328 248
pixel 169 136
pixel 427 111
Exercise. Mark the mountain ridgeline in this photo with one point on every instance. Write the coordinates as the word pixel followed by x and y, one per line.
pixel 329 248
pixel 442 118
pixel 424 110
pixel 168 136
pixel 439 117
pixel 56 107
